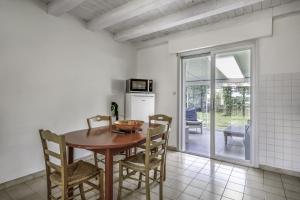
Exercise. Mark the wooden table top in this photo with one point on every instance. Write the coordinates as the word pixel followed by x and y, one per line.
pixel 104 138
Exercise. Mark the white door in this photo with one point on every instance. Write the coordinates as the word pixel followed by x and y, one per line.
pixel 142 107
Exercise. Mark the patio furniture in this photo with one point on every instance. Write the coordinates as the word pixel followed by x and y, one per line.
pixel 247 140
pixel 187 132
pixel 234 131
pixel 191 119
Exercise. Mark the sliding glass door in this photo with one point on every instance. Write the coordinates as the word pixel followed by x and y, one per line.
pixel 232 100
pixel 197 91
pixel 216 89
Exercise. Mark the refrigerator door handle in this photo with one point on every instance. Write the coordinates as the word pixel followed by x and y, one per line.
pixel 143 96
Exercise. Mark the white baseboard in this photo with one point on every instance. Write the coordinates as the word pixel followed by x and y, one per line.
pixel 30 177
pixel 279 170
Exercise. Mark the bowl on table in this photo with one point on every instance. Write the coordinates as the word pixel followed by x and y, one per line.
pixel 128 125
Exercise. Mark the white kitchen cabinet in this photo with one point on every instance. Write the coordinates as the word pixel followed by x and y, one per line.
pixel 139 106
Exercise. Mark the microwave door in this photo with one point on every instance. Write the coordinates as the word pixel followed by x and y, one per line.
pixel 139 85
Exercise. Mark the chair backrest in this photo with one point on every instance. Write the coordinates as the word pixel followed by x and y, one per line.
pixel 160 145
pixel 97 119
pixel 191 114
pixel 49 137
pixel 164 120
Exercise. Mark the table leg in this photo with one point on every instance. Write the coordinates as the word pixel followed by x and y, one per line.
pixel 225 137
pixel 108 175
pixel 70 161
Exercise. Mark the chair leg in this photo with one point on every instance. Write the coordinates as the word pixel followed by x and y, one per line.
pixel 81 191
pixel 65 193
pixel 201 129
pixel 120 181
pixel 140 180
pixel 135 150
pixel 96 159
pixel 147 183
pixel 101 185
pixel 155 170
pixel 48 189
pixel 161 177
pixel 165 170
pixel 155 174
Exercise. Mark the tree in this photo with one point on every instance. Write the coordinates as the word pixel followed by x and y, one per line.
pixel 228 102
pixel 196 96
pixel 244 90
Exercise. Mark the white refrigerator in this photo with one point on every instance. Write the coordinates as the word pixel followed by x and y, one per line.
pixel 139 106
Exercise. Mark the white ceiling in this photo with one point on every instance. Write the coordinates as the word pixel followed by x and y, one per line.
pixel 130 29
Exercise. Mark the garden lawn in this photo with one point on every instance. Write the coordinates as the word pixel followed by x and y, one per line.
pixel 223 121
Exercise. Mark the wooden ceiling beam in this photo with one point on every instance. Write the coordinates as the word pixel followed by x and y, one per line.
pixel 59 7
pixel 195 13
pixel 127 11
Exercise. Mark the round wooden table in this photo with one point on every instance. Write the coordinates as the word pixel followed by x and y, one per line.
pixel 106 141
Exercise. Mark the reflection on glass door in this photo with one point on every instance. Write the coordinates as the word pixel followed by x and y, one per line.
pixel 197 104
pixel 233 104
pixel 218 103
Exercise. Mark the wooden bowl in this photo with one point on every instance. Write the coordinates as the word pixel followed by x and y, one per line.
pixel 128 125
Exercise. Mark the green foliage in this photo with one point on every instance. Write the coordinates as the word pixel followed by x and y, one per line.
pixel 223 121
pixel 228 101
pixel 196 96
pixel 232 104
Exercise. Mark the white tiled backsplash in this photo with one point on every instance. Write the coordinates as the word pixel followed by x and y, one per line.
pixel 279 120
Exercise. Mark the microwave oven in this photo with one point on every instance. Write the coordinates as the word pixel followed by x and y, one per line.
pixel 139 85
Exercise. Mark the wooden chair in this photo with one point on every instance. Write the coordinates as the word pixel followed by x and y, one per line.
pixel 164 120
pixel 67 177
pixel 146 161
pixel 97 119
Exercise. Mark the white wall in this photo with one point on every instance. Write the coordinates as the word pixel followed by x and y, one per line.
pixel 279 100
pixel 236 30
pixel 53 74
pixel 279 53
pixel 157 64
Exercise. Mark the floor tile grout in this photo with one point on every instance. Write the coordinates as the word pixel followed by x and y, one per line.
pixel 207 173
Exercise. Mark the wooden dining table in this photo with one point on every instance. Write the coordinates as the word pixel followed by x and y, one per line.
pixel 107 141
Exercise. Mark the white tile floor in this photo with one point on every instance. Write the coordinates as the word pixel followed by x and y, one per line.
pixel 189 178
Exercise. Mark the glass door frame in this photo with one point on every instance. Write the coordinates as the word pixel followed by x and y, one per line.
pixel 183 102
pixel 253 93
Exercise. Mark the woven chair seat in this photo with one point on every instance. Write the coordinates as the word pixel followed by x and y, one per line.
pixel 137 162
pixel 77 172
pixel 143 146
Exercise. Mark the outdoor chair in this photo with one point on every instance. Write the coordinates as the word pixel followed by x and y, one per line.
pixel 247 139
pixel 191 119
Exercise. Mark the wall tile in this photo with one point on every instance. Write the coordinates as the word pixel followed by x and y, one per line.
pixel 279 120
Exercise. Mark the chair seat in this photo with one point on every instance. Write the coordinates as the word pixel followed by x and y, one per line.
pixel 137 162
pixel 77 172
pixel 143 146
pixel 193 122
